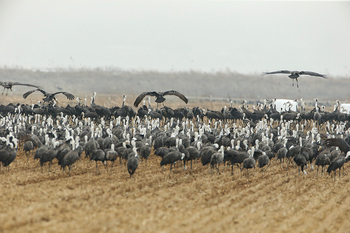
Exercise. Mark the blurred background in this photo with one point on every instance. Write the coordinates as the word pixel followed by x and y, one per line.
pixel 203 49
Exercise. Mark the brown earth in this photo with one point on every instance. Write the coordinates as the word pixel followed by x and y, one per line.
pixel 197 200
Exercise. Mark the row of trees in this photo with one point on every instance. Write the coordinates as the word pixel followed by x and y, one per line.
pixel 224 84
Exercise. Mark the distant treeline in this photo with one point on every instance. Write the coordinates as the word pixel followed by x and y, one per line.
pixel 224 84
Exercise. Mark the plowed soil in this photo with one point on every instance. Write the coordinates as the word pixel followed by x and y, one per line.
pixel 197 200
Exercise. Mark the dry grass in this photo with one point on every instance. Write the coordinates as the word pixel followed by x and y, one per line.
pixel 197 200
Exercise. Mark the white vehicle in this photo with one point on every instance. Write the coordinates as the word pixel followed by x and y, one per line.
pixel 283 105
pixel 345 108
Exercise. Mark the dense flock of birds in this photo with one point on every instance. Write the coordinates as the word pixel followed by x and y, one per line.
pixel 233 136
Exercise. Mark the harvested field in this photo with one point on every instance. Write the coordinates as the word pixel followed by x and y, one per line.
pixel 197 200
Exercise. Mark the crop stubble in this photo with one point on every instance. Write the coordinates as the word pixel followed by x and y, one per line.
pixel 197 200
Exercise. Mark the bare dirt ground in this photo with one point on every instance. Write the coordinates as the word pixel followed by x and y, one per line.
pixel 197 200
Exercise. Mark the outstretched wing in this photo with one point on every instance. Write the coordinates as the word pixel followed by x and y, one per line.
pixel 142 95
pixel 25 95
pixel 278 72
pixel 178 94
pixel 67 94
pixel 341 143
pixel 312 74
pixel 24 84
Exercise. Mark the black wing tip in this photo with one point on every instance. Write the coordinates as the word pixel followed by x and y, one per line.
pixel 136 104
pixel 72 97
pixel 25 95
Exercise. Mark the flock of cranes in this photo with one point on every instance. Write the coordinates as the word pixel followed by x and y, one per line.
pixel 212 137
pixel 234 136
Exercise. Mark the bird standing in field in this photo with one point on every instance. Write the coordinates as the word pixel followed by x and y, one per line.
pixel 111 155
pixel 49 97
pixel 171 158
pixel 217 158
pixel 145 151
pixel 248 163
pixel 159 96
pixel 296 74
pixel 338 163
pixel 28 146
pixel 8 85
pixel 133 162
pixel 322 160
pixel 8 154
pixel 264 160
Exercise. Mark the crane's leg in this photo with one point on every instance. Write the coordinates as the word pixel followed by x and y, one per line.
pixel 297 83
pixel 281 164
pixel 267 165
pixel 96 168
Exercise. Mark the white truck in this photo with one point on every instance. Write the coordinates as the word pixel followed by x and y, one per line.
pixel 283 105
pixel 345 108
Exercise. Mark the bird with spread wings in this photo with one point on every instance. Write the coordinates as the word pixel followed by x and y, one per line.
pixel 8 85
pixel 48 97
pixel 159 96
pixel 295 74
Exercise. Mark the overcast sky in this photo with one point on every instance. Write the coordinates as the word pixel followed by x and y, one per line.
pixel 247 37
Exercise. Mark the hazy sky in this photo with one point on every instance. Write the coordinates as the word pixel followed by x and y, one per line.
pixel 247 37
